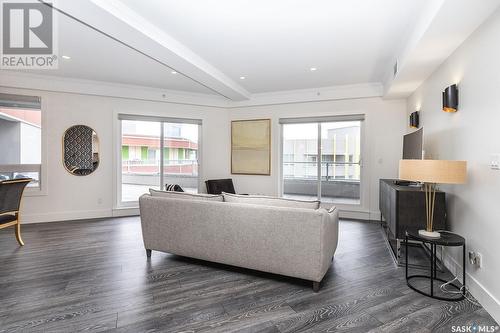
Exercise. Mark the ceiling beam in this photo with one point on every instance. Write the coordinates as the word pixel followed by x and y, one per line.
pixel 445 25
pixel 117 21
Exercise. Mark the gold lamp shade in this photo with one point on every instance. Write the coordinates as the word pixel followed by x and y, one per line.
pixel 433 171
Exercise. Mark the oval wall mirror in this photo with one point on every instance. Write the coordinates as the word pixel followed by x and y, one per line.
pixel 80 150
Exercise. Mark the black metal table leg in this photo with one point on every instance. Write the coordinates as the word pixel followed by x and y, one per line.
pixel 432 269
pixel 406 252
pixel 435 260
pixel 463 270
pixel 446 239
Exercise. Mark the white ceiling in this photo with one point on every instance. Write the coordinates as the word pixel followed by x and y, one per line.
pixel 275 43
pixel 95 56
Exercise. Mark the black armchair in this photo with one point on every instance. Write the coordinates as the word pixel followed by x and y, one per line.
pixel 217 186
pixel 11 192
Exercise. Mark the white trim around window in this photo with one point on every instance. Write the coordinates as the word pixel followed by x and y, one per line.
pixel 20 101
pixel 131 206
pixel 364 187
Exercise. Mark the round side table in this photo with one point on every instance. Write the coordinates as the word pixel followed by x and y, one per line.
pixel 446 239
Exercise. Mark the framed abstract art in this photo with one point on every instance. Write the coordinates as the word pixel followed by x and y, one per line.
pixel 251 147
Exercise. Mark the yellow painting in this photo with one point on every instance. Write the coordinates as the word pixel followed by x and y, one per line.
pixel 251 147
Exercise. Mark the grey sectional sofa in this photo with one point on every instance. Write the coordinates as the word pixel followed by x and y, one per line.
pixel 266 234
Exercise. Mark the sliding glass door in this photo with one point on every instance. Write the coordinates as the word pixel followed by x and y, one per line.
pixel 180 155
pixel 140 167
pixel 300 161
pixel 322 160
pixel 156 152
pixel 341 162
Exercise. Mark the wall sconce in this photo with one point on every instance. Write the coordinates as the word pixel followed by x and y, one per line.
pixel 450 99
pixel 414 119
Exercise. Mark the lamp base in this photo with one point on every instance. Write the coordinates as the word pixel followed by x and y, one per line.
pixel 429 234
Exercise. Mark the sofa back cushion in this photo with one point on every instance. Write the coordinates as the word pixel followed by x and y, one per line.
pixel 185 195
pixel 270 201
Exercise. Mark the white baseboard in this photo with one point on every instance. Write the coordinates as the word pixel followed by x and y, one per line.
pixel 134 211
pixel 375 215
pixel 120 212
pixel 78 215
pixel 66 216
pixel 487 300
pixel 359 215
pixel 350 214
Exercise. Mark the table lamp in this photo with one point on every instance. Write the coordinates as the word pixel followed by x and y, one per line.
pixel 432 172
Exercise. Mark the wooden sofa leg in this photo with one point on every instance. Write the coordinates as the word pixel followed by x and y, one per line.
pixel 148 253
pixel 18 234
pixel 316 286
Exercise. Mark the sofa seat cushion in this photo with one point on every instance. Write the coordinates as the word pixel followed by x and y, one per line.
pixel 185 195
pixel 6 218
pixel 270 201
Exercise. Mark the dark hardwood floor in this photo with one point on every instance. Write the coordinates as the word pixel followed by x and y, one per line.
pixel 94 276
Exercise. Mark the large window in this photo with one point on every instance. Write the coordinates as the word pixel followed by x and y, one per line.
pixel 20 138
pixel 156 152
pixel 322 159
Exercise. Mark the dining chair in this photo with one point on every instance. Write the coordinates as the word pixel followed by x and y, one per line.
pixel 11 193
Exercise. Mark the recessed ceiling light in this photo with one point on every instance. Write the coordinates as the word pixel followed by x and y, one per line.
pixel 65 57
pixel 312 69
pixel 173 72
pixel 242 77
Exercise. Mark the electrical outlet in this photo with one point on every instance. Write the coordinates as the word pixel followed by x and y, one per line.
pixel 472 256
pixel 99 201
pixel 495 162
pixel 475 259
pixel 479 260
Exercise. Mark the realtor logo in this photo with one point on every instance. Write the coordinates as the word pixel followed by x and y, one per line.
pixel 28 35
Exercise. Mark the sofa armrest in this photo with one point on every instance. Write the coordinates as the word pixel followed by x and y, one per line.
pixel 333 215
pixel 330 236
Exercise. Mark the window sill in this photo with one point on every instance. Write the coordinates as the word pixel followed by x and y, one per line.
pixel 35 192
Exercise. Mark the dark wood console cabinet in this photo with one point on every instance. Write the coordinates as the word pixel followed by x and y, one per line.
pixel 403 208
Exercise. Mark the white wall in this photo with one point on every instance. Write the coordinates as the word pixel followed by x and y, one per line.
pixel 384 127
pixel 72 197
pixel 471 134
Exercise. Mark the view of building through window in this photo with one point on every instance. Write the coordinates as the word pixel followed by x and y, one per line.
pixel 340 152
pixel 20 144
pixel 141 157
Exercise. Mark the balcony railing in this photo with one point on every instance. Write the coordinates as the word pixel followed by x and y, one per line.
pixel 173 167
pixel 340 182
pixel 330 171
pixel 157 162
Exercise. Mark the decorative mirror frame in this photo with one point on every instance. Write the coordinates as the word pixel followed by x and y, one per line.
pixel 72 171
